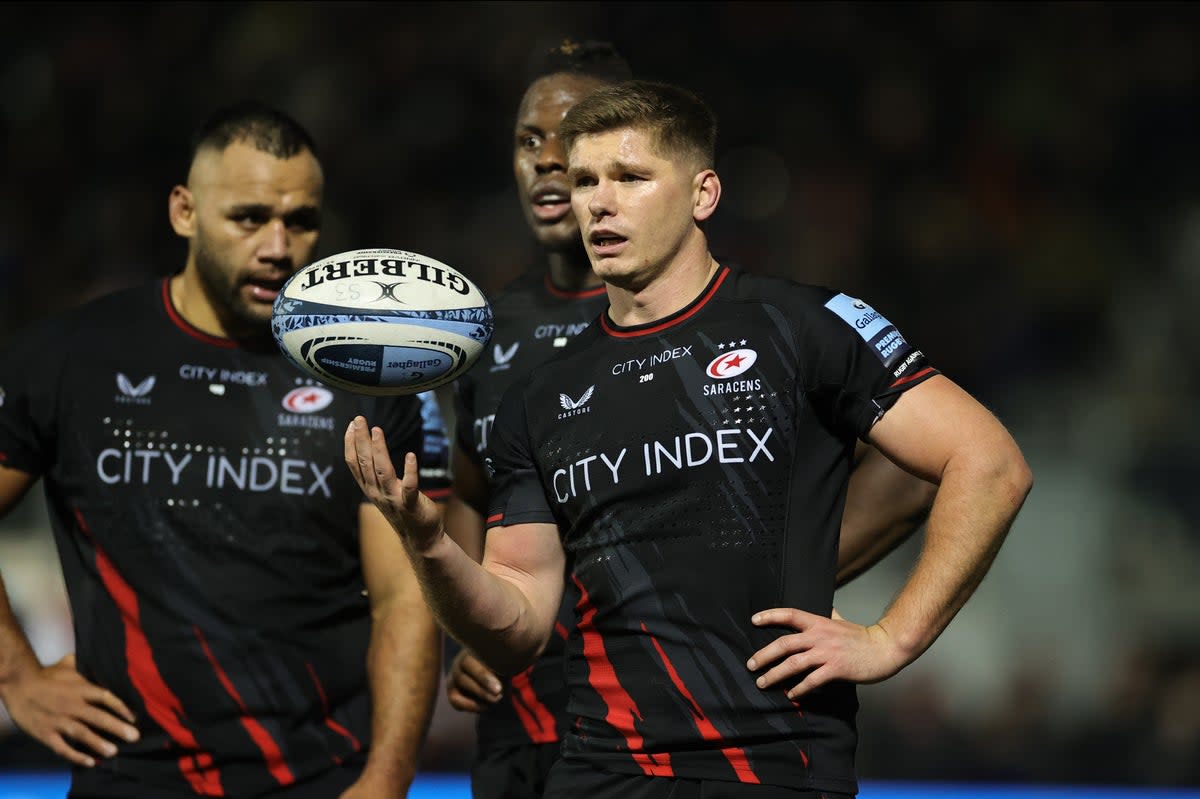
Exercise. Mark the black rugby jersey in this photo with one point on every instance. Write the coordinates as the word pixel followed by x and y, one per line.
pixel 208 531
pixel 534 321
pixel 697 468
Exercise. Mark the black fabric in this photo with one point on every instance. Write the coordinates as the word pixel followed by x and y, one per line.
pixel 696 468
pixel 518 772
pixel 208 531
pixel 534 322
pixel 571 780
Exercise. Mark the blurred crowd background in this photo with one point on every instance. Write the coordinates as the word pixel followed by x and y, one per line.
pixel 1015 185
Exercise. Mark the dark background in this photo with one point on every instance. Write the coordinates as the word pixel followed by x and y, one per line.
pixel 1013 184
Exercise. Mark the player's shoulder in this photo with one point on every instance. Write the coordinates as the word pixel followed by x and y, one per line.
pixel 93 321
pixel 777 290
pixel 519 291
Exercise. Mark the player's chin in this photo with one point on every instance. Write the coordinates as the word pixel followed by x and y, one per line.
pixel 253 312
pixel 561 235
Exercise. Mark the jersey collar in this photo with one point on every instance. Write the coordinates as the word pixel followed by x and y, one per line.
pixel 563 294
pixel 183 324
pixel 611 328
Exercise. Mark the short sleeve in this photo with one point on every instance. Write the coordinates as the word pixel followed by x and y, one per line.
pixel 517 496
pixel 856 364
pixel 29 377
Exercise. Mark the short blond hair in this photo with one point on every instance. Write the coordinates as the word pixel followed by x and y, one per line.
pixel 682 124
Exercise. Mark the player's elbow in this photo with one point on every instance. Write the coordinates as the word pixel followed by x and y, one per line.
pixel 509 661
pixel 1011 475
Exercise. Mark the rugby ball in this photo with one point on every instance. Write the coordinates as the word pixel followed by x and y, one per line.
pixel 381 321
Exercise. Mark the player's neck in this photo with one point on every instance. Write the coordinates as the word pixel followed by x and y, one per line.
pixel 187 295
pixel 193 305
pixel 674 288
pixel 571 270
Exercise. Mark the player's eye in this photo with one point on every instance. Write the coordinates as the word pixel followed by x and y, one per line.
pixel 304 221
pixel 583 181
pixel 528 142
pixel 249 219
pixel 629 177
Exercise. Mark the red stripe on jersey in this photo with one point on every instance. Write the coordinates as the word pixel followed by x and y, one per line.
pixel 495 517
pixel 562 631
pixel 329 722
pixel 437 493
pixel 537 720
pixel 800 713
pixel 186 326
pixel 708 731
pixel 161 702
pixel 582 294
pixel 622 710
pixel 708 295
pixel 258 733
pixel 911 378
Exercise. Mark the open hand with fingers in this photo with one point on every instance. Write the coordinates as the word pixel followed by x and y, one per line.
pixel 472 686
pixel 821 650
pixel 75 718
pixel 415 516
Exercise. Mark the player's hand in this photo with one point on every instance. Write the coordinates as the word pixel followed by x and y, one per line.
pixel 472 686
pixel 821 650
pixel 58 707
pixel 416 517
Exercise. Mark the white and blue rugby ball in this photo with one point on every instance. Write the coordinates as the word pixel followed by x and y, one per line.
pixel 381 321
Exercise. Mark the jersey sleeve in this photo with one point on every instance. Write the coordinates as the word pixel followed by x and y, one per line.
pixel 856 364
pixel 29 377
pixel 517 496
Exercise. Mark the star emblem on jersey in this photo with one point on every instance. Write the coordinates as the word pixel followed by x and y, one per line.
pixel 574 407
pixel 308 399
pixel 731 363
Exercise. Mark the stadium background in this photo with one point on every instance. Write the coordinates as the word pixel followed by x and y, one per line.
pixel 1014 185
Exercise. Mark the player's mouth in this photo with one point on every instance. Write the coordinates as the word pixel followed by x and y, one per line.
pixel 265 290
pixel 606 242
pixel 551 203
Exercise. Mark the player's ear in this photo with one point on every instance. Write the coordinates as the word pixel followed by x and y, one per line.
pixel 707 191
pixel 181 209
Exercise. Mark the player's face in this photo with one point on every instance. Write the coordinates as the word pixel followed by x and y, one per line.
pixel 257 221
pixel 539 161
pixel 634 204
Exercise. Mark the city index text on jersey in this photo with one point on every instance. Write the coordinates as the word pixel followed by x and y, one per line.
pixel 384 267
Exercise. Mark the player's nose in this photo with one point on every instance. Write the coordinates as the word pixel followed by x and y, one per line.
pixel 552 157
pixel 275 241
pixel 602 199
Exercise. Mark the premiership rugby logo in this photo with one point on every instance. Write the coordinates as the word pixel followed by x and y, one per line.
pixel 731 364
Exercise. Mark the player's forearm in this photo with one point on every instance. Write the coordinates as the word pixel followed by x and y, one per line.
pixel 17 658
pixel 465 526
pixel 403 667
pixel 976 503
pixel 488 614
